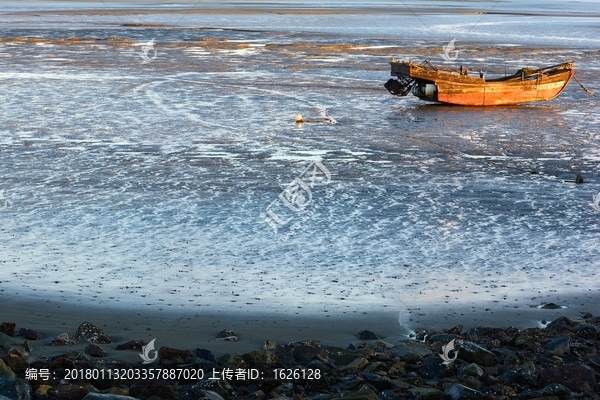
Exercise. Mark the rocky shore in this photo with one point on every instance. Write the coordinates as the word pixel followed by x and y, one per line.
pixel 559 361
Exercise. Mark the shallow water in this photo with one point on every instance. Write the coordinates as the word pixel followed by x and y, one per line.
pixel 130 184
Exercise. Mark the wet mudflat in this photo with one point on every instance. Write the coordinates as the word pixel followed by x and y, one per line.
pixel 144 180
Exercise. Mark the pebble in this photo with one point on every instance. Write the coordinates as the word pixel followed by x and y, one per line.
pixel 557 362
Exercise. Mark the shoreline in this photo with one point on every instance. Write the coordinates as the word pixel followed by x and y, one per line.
pixel 191 330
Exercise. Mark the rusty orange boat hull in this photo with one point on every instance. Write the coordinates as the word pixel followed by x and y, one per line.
pixel 432 84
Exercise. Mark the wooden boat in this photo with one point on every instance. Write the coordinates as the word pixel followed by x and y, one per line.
pixel 444 86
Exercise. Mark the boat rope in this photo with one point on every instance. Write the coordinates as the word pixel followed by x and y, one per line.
pixel 588 91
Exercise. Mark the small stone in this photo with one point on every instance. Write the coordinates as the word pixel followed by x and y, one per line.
pixel 94 350
pixel 88 332
pixel 377 381
pixel 72 390
pixel 398 369
pixel 442 337
pixel 550 306
pixel 136 345
pixel 8 388
pixel 28 347
pixel 30 334
pixel 358 364
pixel 63 339
pixel 205 355
pixel 174 356
pixel 17 363
pixel 145 389
pixel 259 358
pixel 471 370
pixel 524 340
pixel 307 351
pixel 270 345
pixel 557 390
pixel 225 333
pixel 455 330
pixel 365 394
pixel 559 345
pixel 101 396
pixel 524 374
pixel 461 392
pixel 474 353
pixel 5 370
pixel 8 328
pixel 433 368
pixel 367 335
pixel 410 351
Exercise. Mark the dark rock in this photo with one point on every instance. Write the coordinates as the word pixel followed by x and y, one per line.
pixel 285 353
pixel 579 178
pixel 16 363
pixel 358 364
pixel 101 396
pixel 377 381
pixel 316 364
pixel 30 334
pixel 132 345
pixel 471 370
pixel 524 374
pixel 433 368
pixel 63 339
pixel 145 389
pixel 367 335
pixel 41 393
pixel 348 384
pixel 557 390
pixel 423 393
pixel 455 330
pixel 8 388
pixel 72 390
pixel 587 331
pixel 27 346
pixel 88 332
pixel 474 353
pixel 8 328
pixel 270 345
pixel 560 324
pixel 460 392
pixel 307 351
pixel 550 306
pixel 442 337
pixel 94 350
pixel 18 350
pixel 571 376
pixel 524 340
pixel 559 345
pixel 205 354
pixel 225 333
pixel 259 358
pixel 62 362
pixel 176 356
pixel 5 370
pixel 409 352
pixel 365 394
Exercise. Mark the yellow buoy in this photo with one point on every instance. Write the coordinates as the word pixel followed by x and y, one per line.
pixel 299 118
